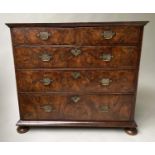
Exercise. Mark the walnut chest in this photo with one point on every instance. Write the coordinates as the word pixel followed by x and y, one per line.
pixel 77 74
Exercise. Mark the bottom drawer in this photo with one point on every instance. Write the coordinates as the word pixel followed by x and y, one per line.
pixel 75 107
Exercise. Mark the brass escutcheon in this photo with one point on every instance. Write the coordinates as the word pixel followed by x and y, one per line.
pixel 108 34
pixel 104 108
pixel 76 52
pixel 46 81
pixel 44 35
pixel 47 108
pixel 45 57
pixel 105 81
pixel 106 57
pixel 76 75
pixel 75 99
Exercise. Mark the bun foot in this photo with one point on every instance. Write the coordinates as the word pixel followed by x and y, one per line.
pixel 131 131
pixel 22 129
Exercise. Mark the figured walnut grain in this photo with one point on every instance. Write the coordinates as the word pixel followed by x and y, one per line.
pixel 87 108
pixel 122 56
pixel 122 81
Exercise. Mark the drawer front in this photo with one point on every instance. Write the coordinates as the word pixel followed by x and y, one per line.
pixel 65 57
pixel 76 107
pixel 88 80
pixel 53 36
pixel 78 36
pixel 107 34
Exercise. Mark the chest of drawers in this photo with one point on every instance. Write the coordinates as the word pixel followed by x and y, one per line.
pixel 77 74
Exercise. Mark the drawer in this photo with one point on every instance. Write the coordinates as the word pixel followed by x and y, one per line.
pixel 37 35
pixel 68 57
pixel 108 34
pixel 75 107
pixel 83 80
pixel 77 36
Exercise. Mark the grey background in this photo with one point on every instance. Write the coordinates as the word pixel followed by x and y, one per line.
pixel 145 108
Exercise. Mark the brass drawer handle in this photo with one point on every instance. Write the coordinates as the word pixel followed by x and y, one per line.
pixel 44 35
pixel 108 34
pixel 76 75
pixel 106 57
pixel 45 57
pixel 46 81
pixel 47 108
pixel 75 52
pixel 75 99
pixel 104 108
pixel 105 81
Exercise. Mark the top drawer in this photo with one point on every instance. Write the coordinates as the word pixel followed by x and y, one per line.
pixel 51 36
pixel 108 34
pixel 76 36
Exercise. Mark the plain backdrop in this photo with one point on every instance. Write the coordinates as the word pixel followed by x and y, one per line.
pixel 145 108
